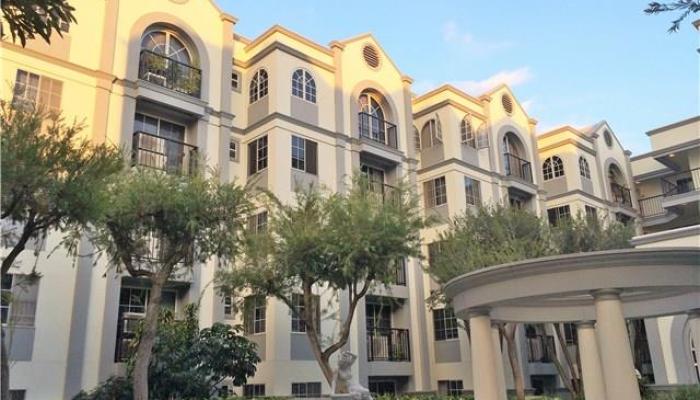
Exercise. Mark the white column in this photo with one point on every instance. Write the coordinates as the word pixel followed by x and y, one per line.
pixel 484 370
pixel 496 340
pixel 591 369
pixel 614 347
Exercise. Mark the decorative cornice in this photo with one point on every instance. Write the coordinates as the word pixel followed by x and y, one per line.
pixel 564 143
pixel 449 102
pixel 286 49
pixel 293 35
pixel 565 128
pixel 688 231
pixel 446 87
pixel 673 125
pixel 56 61
pixel 678 147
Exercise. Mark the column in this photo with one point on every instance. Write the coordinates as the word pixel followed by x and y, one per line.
pixel 694 324
pixel 496 340
pixel 614 346
pixel 484 370
pixel 591 369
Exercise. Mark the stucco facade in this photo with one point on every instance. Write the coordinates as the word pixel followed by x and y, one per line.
pixel 280 111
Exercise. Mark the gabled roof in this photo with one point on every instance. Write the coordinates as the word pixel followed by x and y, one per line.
pixel 446 87
pixel 291 34
pixel 367 36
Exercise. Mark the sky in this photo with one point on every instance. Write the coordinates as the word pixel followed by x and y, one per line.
pixel 568 62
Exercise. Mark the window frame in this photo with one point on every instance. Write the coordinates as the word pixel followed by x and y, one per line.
pixel 233 150
pixel 309 389
pixel 466 130
pixel 445 326
pixel 298 325
pixel 558 213
pixel 584 167
pixel 431 130
pixel 453 387
pixel 257 389
pixel 472 191
pixel 435 195
pixel 552 168
pixel 228 307
pixel 235 81
pixel 259 85
pixel 255 316
pixel 303 85
pixel 6 295
pixel 42 93
pixel 257 155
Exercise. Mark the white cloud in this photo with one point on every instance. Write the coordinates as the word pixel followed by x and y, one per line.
pixel 465 41
pixel 511 78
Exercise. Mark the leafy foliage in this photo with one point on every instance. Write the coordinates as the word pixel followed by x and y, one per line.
pixel 188 363
pixel 686 7
pixel 342 242
pixel 28 18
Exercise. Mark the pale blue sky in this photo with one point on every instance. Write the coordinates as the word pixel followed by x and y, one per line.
pixel 568 62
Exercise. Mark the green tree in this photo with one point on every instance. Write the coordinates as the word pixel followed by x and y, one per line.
pixel 685 7
pixel 52 179
pixel 27 19
pixel 342 242
pixel 496 235
pixel 188 363
pixel 157 226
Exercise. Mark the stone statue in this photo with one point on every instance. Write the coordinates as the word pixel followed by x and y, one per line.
pixel 343 385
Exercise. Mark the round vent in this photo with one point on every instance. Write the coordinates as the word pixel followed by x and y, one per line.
pixel 507 103
pixel 608 138
pixel 371 56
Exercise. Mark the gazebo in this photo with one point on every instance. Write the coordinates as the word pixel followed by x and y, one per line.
pixel 597 291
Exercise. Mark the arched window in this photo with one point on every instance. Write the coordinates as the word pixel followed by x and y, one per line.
pixel 371 117
pixel 167 44
pixel 583 167
pixel 431 134
pixel 552 167
pixel 303 85
pixel 467 133
pixel 258 86
pixel 416 137
pixel 512 145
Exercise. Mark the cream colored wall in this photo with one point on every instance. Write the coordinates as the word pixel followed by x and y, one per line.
pixel 676 135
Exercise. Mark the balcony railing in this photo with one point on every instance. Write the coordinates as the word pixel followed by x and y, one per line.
pixel 400 272
pixel 620 194
pixel 651 206
pixel 517 167
pixel 682 182
pixel 540 349
pixel 377 129
pixel 383 190
pixel 170 73
pixel 388 345
pixel 162 153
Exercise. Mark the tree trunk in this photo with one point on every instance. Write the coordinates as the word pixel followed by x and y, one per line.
pixel 575 378
pixel 148 335
pixel 5 372
pixel 509 334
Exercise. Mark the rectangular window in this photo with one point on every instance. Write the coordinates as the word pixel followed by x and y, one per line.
pixel 257 155
pixel 298 324
pixel 304 155
pixel 258 222
pixel 570 333
pixel 473 191
pixel 37 91
pixel 435 192
pixel 6 294
pixel 433 251
pixel 444 324
pixel 450 387
pixel 233 150
pixel 228 307
pixel 235 81
pixel 306 389
pixel 257 390
pixel 591 212
pixel 254 316
pixel 557 214
pixel 132 308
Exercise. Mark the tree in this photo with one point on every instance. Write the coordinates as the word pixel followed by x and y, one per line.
pixel 496 235
pixel 52 179
pixel 157 226
pixel 28 18
pixel 686 7
pixel 341 242
pixel 188 363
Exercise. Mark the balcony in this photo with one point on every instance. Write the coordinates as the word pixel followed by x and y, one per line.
pixel 170 73
pixel 517 167
pixel 620 195
pixel 162 153
pixel 377 130
pixel 400 272
pixel 387 344
pixel 678 184
pixel 540 349
pixel 651 206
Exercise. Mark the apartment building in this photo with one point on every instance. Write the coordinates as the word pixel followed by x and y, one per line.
pixel 281 112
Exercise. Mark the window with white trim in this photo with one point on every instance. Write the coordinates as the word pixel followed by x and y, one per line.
pixel 254 390
pixel 6 294
pixel 232 150
pixel 258 223
pixel 435 192
pixel 467 133
pixel 472 190
pixel 306 389
pixel 257 155
pixel 304 155
pixel 33 90
pixel 584 168
pixel 553 167
pixel 258 86
pixel 416 138
pixel 591 212
pixel 304 85
pixel 431 133
pixel 254 316
pixel 557 214
pixel 444 324
pixel 228 307
pixel 298 323
pixel 451 387
pixel 235 81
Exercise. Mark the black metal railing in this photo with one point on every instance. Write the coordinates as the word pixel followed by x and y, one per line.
pixel 681 182
pixel 383 190
pixel 162 153
pixel 170 73
pixel 400 272
pixel 517 167
pixel 541 348
pixel 620 194
pixel 651 206
pixel 377 129
pixel 388 345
